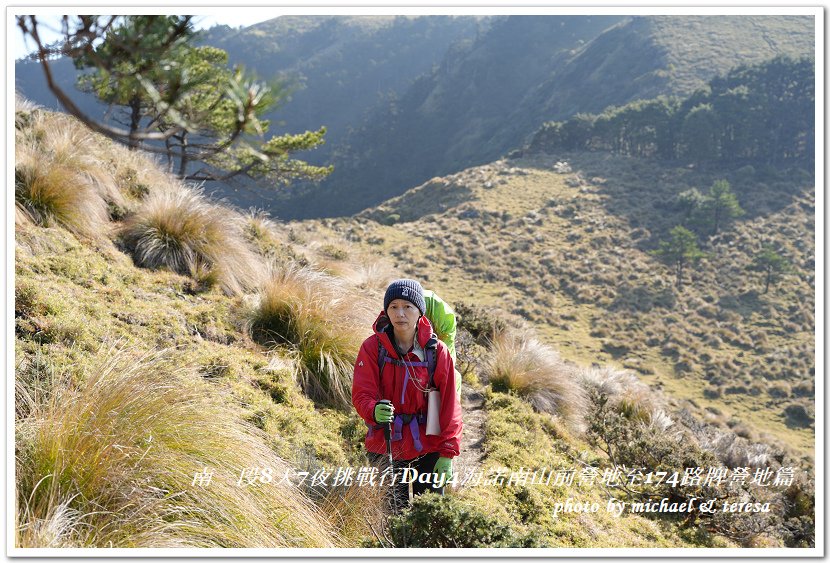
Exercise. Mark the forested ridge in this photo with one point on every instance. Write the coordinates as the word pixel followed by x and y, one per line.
pixel 762 113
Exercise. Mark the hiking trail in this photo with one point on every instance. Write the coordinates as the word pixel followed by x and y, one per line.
pixel 472 440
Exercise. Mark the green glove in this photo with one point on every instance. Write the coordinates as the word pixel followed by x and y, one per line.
pixel 384 413
pixel 443 469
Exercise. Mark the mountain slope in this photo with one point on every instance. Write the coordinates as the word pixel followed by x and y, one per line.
pixel 153 410
pixel 335 68
pixel 571 255
pixel 483 101
pixel 657 55
pixel 341 65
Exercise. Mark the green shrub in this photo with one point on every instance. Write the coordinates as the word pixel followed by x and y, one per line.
pixel 799 415
pixel 333 252
pixel 804 389
pixel 482 325
pixel 799 514
pixel 623 390
pixel 712 392
pixel 446 521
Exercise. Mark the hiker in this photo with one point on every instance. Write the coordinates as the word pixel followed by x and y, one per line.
pixel 391 386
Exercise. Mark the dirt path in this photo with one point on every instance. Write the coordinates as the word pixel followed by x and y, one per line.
pixel 472 440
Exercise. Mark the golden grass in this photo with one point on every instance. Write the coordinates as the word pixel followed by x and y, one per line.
pixel 22 104
pixel 137 173
pixel 68 175
pixel 371 277
pixel 178 228
pixel 259 225
pixel 322 320
pixel 110 462
pixel 627 394
pixel 519 362
pixel 58 181
pixel 268 238
pixel 356 511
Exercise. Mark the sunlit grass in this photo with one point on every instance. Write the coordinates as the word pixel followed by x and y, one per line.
pixel 111 461
pixel 519 362
pixel 179 229
pixel 56 182
pixel 322 320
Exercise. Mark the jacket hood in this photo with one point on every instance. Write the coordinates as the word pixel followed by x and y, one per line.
pixel 423 332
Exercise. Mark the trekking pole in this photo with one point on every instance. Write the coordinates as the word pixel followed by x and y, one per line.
pixel 387 435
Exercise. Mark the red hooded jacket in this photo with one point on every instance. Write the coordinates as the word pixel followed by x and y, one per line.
pixel 369 387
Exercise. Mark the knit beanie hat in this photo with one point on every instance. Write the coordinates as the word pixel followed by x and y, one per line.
pixel 410 290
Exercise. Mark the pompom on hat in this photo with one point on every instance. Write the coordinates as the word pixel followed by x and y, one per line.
pixel 409 290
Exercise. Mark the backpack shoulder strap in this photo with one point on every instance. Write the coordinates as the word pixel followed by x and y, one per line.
pixel 431 352
pixel 381 358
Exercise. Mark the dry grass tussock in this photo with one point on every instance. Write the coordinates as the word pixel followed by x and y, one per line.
pixel 627 394
pixel 58 181
pixel 137 173
pixel 367 272
pixel 110 462
pixel 23 105
pixel 356 511
pixel 178 228
pixel 369 277
pixel 260 225
pixel 519 362
pixel 268 238
pixel 322 319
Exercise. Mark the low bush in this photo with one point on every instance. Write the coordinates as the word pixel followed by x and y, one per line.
pixel 449 522
pixel 623 390
pixel 804 389
pixel 482 325
pixel 799 415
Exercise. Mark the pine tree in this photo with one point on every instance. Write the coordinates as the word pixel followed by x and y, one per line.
pixel 771 264
pixel 721 205
pixel 176 99
pixel 679 251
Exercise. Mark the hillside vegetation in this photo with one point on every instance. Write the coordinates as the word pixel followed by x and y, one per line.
pixel 167 345
pixel 408 90
pixel 338 67
pixel 572 241
pixel 571 255
pixel 755 113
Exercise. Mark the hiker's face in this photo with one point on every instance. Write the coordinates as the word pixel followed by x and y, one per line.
pixel 403 314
